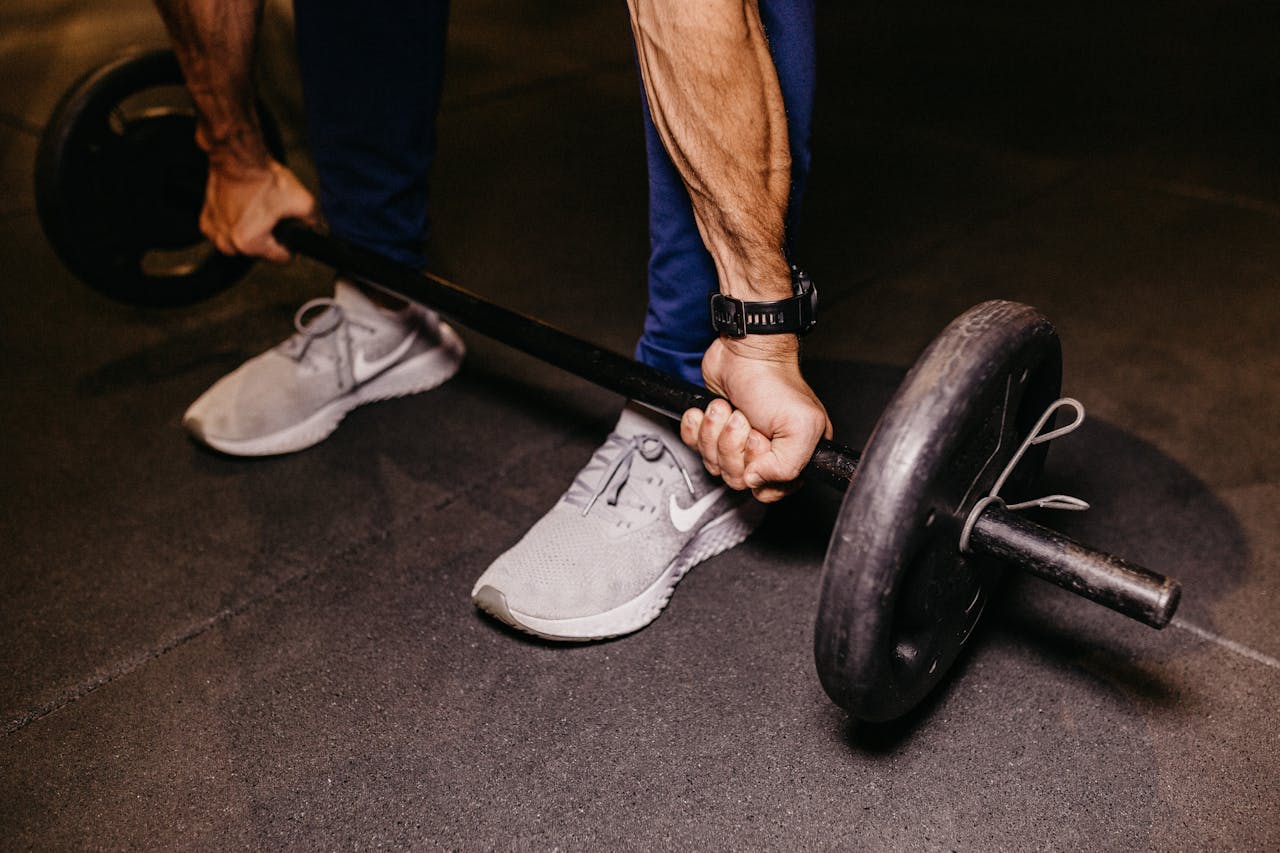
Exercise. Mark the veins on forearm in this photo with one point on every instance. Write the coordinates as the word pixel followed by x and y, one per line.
pixel 214 41
pixel 715 101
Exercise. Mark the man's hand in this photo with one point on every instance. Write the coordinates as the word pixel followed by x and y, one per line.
pixel 242 205
pixel 766 442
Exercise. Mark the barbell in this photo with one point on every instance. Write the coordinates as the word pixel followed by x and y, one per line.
pixel 925 528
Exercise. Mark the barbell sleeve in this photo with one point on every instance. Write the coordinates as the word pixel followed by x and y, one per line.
pixel 1103 578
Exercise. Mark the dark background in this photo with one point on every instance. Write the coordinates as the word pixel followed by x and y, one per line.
pixel 199 651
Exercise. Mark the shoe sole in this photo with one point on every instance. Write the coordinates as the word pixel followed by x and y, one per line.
pixel 714 538
pixel 437 365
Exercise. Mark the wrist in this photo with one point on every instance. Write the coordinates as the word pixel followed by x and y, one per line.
pixel 778 349
pixel 241 153
pixel 229 133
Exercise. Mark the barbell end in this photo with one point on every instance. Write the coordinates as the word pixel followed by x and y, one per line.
pixel 1167 604
pixel 1127 588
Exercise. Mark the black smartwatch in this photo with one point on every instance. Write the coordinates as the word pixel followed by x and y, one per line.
pixel 797 314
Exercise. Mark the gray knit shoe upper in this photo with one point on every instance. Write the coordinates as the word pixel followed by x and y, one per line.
pixel 346 351
pixel 606 558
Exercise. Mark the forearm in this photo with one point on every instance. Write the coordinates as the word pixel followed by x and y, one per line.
pixel 214 40
pixel 714 97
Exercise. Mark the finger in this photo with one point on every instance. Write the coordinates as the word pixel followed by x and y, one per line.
pixel 252 237
pixel 758 447
pixel 303 207
pixel 272 251
pixel 731 450
pixel 789 451
pixel 220 237
pixel 773 494
pixel 690 424
pixel 781 464
pixel 223 244
pixel 713 422
pixel 308 213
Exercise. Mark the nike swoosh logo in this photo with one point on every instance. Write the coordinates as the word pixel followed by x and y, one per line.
pixel 685 517
pixel 362 369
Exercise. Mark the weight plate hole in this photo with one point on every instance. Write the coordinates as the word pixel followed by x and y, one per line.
pixel 153 101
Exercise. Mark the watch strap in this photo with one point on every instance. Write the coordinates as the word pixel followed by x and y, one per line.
pixel 794 315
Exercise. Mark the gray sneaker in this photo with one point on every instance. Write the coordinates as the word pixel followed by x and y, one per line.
pixel 606 558
pixel 347 351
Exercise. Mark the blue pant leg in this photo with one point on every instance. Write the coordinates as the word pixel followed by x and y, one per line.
pixel 792 33
pixel 371 76
pixel 677 327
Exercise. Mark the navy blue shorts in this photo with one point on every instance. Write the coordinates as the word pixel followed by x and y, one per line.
pixel 374 153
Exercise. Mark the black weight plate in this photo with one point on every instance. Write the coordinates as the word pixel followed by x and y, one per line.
pixel 120 183
pixel 899 600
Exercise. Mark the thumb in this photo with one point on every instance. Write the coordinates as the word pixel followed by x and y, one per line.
pixel 771 462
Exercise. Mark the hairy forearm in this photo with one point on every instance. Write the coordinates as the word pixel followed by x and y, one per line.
pixel 214 40
pixel 714 96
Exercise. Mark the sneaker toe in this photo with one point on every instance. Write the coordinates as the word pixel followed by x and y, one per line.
pixel 257 399
pixel 492 601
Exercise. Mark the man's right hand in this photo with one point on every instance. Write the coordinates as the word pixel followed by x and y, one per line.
pixel 767 441
pixel 242 205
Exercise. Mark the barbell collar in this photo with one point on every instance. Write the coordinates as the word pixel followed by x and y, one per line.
pixel 831 463
pixel 1125 587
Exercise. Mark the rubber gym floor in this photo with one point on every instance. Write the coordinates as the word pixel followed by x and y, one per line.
pixel 207 652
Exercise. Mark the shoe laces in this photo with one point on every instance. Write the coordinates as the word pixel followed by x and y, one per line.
pixel 318 324
pixel 317 318
pixel 609 471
